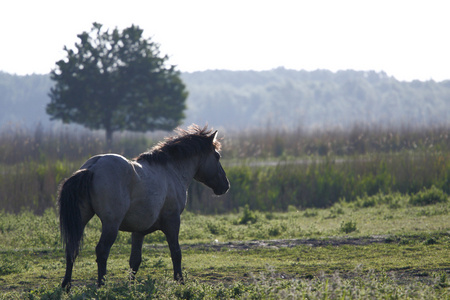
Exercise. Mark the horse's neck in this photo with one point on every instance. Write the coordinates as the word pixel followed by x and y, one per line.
pixel 185 170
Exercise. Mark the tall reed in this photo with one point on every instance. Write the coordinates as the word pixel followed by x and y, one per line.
pixel 323 182
pixel 33 162
pixel 359 140
pixel 268 169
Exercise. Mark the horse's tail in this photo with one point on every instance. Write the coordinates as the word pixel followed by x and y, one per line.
pixel 73 191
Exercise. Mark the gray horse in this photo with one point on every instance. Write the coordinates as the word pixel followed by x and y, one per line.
pixel 138 196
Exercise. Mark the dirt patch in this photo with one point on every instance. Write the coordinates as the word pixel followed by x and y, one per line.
pixel 282 243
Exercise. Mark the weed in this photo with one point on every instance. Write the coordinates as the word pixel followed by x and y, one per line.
pixel 430 241
pixel 442 280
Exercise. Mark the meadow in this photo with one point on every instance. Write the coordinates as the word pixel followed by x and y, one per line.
pixel 323 215
pixel 396 249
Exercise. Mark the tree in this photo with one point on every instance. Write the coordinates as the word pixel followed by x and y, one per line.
pixel 117 81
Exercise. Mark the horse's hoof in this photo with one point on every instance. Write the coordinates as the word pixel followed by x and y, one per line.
pixel 67 286
pixel 100 283
pixel 179 279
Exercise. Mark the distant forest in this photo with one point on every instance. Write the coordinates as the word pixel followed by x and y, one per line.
pixel 281 98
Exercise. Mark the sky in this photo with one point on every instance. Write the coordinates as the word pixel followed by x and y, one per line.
pixel 406 39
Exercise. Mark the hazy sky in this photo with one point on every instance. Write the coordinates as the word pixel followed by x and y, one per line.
pixel 406 39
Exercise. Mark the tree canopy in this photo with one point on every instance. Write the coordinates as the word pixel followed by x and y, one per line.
pixel 117 80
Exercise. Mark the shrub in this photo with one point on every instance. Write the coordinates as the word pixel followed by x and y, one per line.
pixel 429 196
pixel 214 228
pixel 248 216
pixel 310 213
pixel 274 231
pixel 348 227
pixel 366 201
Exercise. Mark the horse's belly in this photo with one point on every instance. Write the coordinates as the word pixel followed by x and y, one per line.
pixel 140 217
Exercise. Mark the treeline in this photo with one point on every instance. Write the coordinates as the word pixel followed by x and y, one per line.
pixel 23 99
pixel 318 99
pixel 278 98
pixel 268 170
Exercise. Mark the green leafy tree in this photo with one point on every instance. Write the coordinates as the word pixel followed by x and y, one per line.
pixel 117 81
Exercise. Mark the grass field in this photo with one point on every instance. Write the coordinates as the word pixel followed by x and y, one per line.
pixel 388 246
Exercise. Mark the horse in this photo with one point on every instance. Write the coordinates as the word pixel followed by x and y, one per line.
pixel 140 196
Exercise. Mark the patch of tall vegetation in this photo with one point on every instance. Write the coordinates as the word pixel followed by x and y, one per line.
pixel 324 182
pixel 34 162
pixel 268 169
pixel 359 140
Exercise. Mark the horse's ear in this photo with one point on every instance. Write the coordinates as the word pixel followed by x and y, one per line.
pixel 213 136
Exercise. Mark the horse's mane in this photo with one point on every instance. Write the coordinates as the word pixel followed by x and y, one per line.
pixel 187 143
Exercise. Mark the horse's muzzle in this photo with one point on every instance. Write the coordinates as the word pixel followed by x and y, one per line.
pixel 220 190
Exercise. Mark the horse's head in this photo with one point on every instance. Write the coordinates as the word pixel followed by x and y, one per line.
pixel 210 171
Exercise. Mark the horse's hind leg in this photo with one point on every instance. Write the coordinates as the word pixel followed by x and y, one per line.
pixel 109 235
pixel 68 276
pixel 136 252
pixel 86 214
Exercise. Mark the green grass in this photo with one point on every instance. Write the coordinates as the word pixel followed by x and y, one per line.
pixel 393 250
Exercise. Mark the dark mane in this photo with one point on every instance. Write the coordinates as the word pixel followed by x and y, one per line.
pixel 187 143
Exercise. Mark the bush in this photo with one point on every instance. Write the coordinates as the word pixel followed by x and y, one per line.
pixel 348 227
pixel 310 213
pixel 214 228
pixel 248 216
pixel 429 196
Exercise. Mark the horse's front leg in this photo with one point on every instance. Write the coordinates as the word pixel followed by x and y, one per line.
pixel 171 228
pixel 137 240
